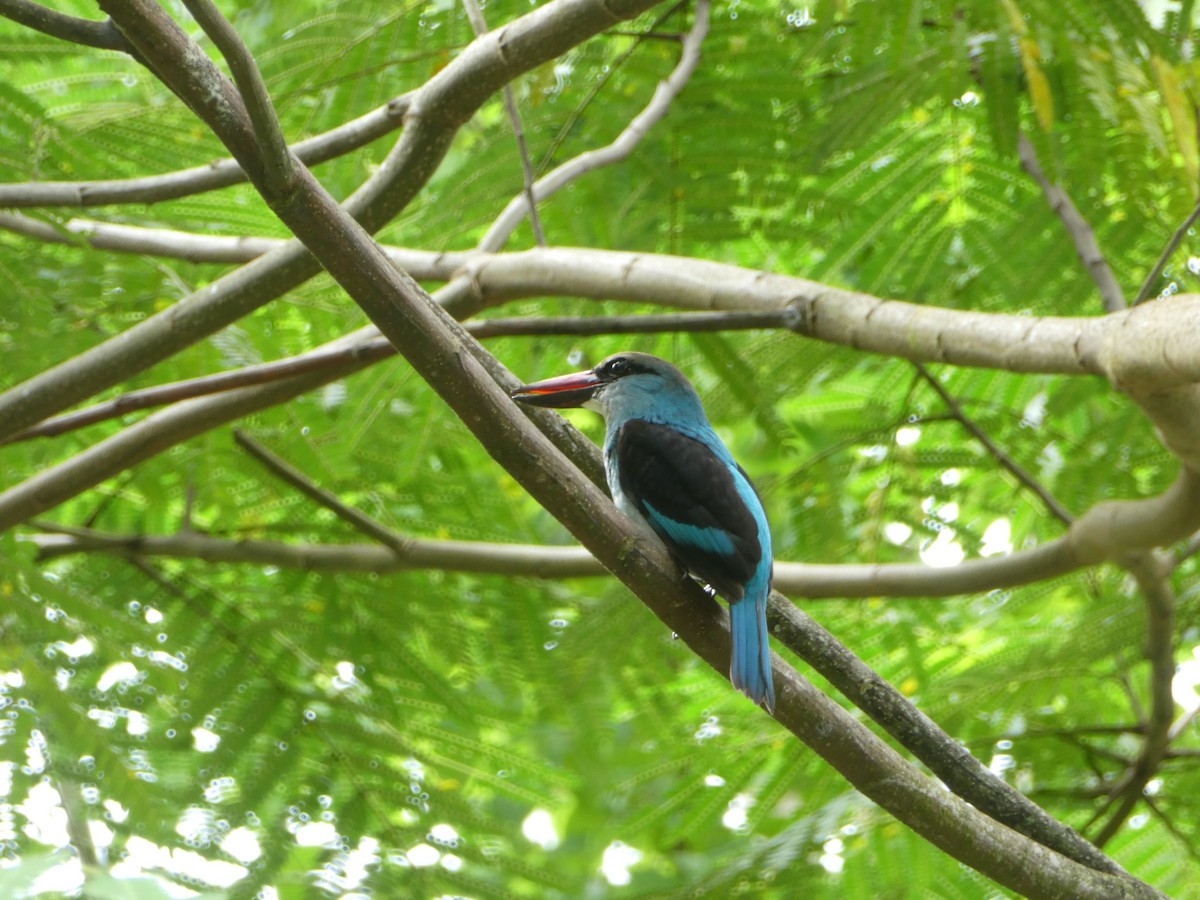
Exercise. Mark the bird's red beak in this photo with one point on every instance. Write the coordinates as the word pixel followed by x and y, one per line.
pixel 563 391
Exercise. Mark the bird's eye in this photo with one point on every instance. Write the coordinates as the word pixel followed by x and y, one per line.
pixel 617 368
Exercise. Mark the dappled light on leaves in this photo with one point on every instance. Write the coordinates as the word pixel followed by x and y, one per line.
pixel 345 652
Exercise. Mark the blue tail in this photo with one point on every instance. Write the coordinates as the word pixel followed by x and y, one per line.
pixel 750 668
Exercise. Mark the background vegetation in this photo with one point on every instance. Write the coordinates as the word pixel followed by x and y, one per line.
pixel 264 703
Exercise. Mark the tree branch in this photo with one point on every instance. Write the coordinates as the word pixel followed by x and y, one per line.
pixel 305 485
pixel 101 35
pixel 1142 351
pixel 1145 351
pixel 341 359
pixel 997 452
pixel 1077 227
pixel 811 582
pixel 1172 245
pixel 479 25
pixel 218 174
pixel 1152 574
pixel 33 228
pixel 373 349
pixel 946 758
pixel 620 149
pixel 268 132
pixel 401 554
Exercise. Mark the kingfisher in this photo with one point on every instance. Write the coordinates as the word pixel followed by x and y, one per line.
pixel 671 473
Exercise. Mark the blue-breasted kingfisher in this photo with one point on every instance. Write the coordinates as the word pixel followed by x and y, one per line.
pixel 671 473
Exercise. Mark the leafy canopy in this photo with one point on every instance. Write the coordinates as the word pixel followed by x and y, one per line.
pixel 327 732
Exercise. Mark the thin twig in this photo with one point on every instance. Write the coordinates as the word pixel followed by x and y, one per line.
pixel 1186 840
pixel 1074 734
pixel 189 501
pixel 1151 571
pixel 1077 227
pixel 286 472
pixel 480 26
pixel 1187 549
pixel 273 148
pixel 1135 702
pixel 206 385
pixel 1093 751
pixel 1183 753
pixel 553 182
pixel 75 810
pixel 1001 456
pixel 1172 245
pixel 375 348
pixel 651 323
pixel 194 247
pixel 1181 725
pixel 673 37
pixel 218 174
pixel 568 127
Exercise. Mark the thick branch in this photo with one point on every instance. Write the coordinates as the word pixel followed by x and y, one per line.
pixel 1146 349
pixel 1143 350
pixel 811 582
pixel 1114 527
pixel 101 35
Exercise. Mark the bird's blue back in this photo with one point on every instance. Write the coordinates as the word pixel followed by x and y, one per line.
pixel 670 471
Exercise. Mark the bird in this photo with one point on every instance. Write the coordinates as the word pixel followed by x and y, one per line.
pixel 671 473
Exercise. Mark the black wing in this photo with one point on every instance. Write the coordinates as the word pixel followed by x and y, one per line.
pixel 689 497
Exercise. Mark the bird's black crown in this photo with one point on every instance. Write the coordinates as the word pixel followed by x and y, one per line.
pixel 619 367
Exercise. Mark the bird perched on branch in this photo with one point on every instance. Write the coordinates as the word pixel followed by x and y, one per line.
pixel 670 472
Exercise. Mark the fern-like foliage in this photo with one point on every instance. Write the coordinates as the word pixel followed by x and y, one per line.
pixel 260 731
